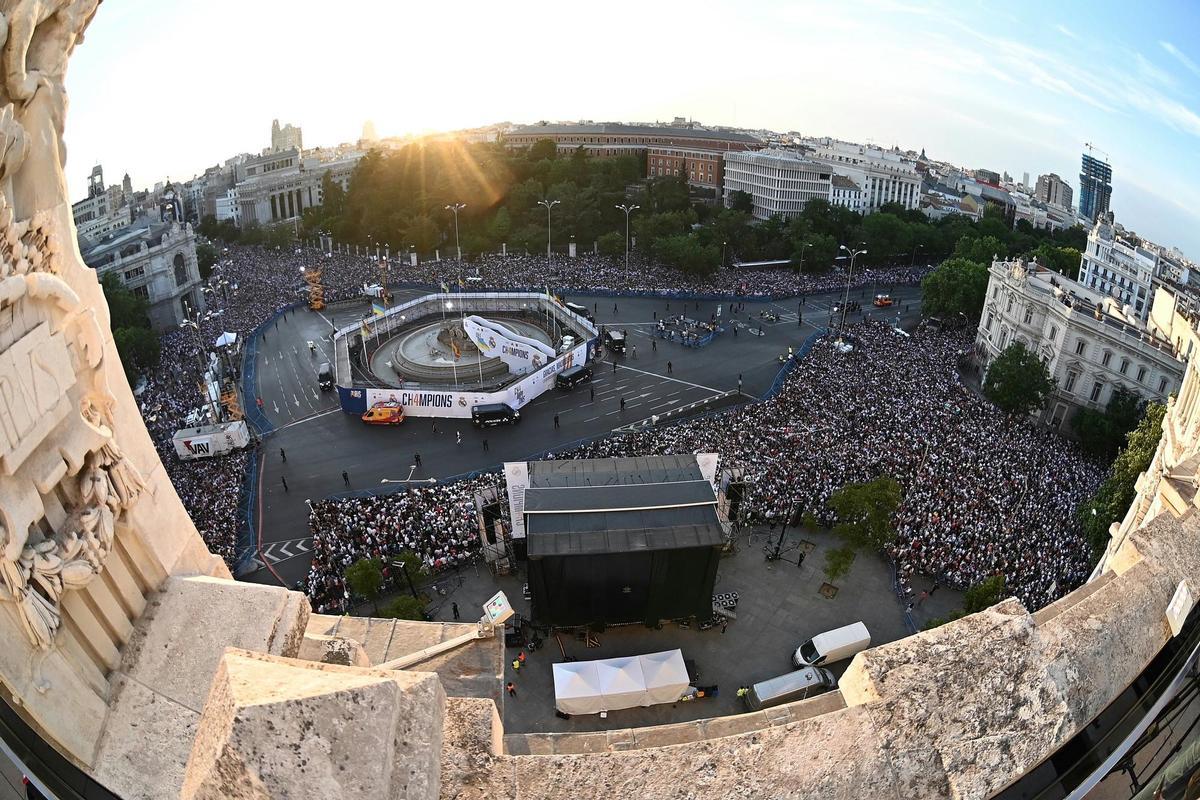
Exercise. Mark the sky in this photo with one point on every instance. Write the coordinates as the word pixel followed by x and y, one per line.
pixel 163 90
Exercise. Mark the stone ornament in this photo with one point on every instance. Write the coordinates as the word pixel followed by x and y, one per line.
pixel 64 483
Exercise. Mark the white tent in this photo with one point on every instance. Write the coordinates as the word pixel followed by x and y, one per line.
pixel 577 688
pixel 589 687
pixel 665 675
pixel 225 338
pixel 621 683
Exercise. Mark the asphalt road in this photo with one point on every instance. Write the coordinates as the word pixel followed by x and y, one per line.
pixel 320 441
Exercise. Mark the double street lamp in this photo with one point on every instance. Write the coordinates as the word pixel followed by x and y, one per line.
pixel 549 204
pixel 456 207
pixel 628 209
pixel 846 299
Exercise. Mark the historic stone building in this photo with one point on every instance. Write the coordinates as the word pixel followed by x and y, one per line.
pixel 130 651
pixel 157 261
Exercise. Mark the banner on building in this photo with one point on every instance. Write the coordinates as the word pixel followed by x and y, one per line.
pixel 516 474
pixel 494 340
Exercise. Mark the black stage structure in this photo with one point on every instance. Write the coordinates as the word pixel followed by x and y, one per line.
pixel 621 540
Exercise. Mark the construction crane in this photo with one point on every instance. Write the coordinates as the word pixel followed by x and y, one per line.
pixel 1091 147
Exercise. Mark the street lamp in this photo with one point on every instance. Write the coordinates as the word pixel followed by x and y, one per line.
pixel 846 299
pixel 627 209
pixel 806 244
pixel 456 207
pixel 914 255
pixel 549 204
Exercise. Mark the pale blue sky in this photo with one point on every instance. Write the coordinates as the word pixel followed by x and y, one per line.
pixel 164 89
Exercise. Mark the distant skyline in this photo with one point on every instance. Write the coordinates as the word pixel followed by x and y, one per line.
pixel 163 90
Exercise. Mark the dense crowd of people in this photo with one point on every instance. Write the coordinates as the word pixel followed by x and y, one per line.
pixel 589 272
pixel 982 493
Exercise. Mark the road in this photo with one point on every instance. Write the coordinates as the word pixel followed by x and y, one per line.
pixel 320 441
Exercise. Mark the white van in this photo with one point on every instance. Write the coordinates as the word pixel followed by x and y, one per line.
pixel 831 646
pixel 799 685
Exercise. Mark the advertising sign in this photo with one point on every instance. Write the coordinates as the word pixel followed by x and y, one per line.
pixel 516 474
pixel 494 340
pixel 531 387
pixel 433 403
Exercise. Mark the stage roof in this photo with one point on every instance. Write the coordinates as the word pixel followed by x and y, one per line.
pixel 593 506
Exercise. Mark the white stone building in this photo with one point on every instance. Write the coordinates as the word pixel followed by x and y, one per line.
pixel 227 208
pixel 1090 346
pixel 158 262
pixel 278 187
pixel 780 181
pixel 885 176
pixel 1116 263
pixel 847 194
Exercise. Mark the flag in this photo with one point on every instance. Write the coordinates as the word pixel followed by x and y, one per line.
pixel 445 287
pixel 461 283
pixel 366 334
pixel 377 309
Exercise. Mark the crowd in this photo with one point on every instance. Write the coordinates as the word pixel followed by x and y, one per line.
pixel 982 493
pixel 438 523
pixel 589 272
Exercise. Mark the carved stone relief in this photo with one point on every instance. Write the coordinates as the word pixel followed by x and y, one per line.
pixel 64 483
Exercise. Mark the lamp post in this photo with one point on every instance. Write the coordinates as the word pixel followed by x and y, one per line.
pixel 802 247
pixel 456 207
pixel 549 204
pixel 914 255
pixel 628 209
pixel 846 299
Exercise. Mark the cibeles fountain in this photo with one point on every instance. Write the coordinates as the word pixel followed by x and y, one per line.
pixel 130 651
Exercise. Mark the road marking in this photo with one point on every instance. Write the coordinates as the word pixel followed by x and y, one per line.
pixel 276 406
pixel 661 405
pixel 295 400
pixel 591 419
pixel 309 418
pixel 676 380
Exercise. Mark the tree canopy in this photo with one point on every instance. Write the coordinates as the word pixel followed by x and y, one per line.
pixel 957 286
pixel 1116 493
pixel 1017 380
pixel 365 578
pixel 136 343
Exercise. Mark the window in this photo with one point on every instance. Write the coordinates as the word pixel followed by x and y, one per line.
pixel 136 272
pixel 1008 307
pixel 1028 315
pixel 1069 386
pixel 1053 333
pixel 1080 346
pixel 1104 359
pixel 1097 390
pixel 1162 385
pixel 142 291
pixel 1124 365
pixel 180 270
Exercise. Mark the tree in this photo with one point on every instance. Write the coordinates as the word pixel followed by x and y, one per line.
pixel 1116 493
pixel 741 201
pixel 886 237
pixel 404 607
pixel 1102 433
pixel 365 578
pixel 684 252
pixel 982 250
pixel 838 562
pixel 543 150
pixel 957 286
pixel 984 594
pixel 611 244
pixel 206 257
pixel 865 511
pixel 1063 260
pixel 1017 381
pixel 137 344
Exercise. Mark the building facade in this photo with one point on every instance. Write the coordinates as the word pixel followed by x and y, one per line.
pixel 704 169
pixel 781 182
pixel 1095 187
pixel 885 176
pixel 1089 346
pixel 279 186
pixel 157 262
pixel 287 137
pixel 1119 265
pixel 612 139
pixel 1054 190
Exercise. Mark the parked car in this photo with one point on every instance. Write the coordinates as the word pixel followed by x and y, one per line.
pixel 486 415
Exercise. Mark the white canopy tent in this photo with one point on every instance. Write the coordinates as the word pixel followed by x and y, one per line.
pixel 577 688
pixel 666 676
pixel 589 687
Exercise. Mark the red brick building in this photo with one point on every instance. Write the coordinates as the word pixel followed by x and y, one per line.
pixel 693 152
